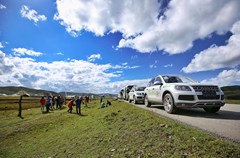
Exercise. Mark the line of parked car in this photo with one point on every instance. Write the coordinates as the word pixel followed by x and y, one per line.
pixel 175 91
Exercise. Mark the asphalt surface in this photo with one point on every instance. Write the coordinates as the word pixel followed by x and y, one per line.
pixel 225 123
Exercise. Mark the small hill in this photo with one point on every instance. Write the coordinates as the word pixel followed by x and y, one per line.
pixel 11 90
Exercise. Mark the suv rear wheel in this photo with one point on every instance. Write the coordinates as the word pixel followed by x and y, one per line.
pixel 168 103
pixel 146 102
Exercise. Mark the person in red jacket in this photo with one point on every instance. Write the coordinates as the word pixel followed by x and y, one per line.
pixel 70 105
pixel 43 103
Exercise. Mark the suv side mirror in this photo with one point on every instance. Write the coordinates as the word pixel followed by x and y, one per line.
pixel 158 83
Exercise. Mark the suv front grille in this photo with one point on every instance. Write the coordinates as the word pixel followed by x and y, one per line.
pixel 207 92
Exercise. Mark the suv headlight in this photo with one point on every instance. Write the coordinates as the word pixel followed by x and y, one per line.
pixel 182 88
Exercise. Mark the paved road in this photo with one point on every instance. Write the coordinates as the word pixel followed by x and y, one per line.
pixel 225 123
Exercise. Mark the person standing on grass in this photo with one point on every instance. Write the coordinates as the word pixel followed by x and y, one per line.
pixel 62 101
pixel 53 102
pixel 48 103
pixel 20 107
pixel 86 100
pixel 70 105
pixel 78 105
pixel 101 99
pixel 43 103
pixel 58 100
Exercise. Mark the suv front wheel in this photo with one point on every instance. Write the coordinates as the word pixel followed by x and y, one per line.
pixel 146 102
pixel 134 100
pixel 168 103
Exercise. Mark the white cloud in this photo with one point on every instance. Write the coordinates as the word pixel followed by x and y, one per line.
pixel 152 66
pixel 59 53
pixel 225 78
pixel 168 65
pixel 101 17
pixel 1 45
pixel 24 51
pixel 125 63
pixel 93 57
pixel 125 66
pixel 217 57
pixel 31 14
pixel 73 75
pixel 174 31
pixel 2 7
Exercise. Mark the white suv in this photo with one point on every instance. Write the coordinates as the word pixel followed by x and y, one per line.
pixel 174 91
pixel 136 94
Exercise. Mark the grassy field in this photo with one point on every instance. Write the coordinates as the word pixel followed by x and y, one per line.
pixel 120 130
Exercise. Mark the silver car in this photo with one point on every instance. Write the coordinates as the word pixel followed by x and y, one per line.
pixel 175 91
pixel 136 95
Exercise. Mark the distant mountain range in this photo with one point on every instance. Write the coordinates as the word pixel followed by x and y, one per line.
pixel 12 90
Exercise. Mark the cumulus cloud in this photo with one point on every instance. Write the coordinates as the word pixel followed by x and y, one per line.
pixel 93 57
pixel 24 51
pixel 73 75
pixel 217 57
pixel 225 78
pixel 31 14
pixel 2 7
pixel 148 27
pixel 101 17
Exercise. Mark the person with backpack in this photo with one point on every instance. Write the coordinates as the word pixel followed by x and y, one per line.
pixel 70 105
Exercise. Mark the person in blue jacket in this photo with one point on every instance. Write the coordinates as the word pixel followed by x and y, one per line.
pixel 78 102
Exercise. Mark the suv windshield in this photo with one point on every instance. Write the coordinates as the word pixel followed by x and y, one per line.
pixel 177 79
pixel 129 88
pixel 140 88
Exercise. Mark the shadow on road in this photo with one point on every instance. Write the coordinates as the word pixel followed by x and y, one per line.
pixel 222 114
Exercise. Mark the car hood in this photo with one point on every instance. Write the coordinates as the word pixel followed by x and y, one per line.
pixel 139 91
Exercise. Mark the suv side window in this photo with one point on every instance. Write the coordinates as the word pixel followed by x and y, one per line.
pixel 151 82
pixel 158 79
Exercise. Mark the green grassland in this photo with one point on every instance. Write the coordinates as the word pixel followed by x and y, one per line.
pixel 120 130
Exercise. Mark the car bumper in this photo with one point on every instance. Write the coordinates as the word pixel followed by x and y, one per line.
pixel 139 98
pixel 196 100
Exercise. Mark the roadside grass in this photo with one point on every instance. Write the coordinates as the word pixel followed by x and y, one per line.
pixel 120 130
pixel 232 101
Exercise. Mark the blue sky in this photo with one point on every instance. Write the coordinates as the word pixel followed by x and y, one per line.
pixel 101 46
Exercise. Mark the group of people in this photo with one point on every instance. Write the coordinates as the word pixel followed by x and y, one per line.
pixel 50 103
pixel 103 105
pixel 78 101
